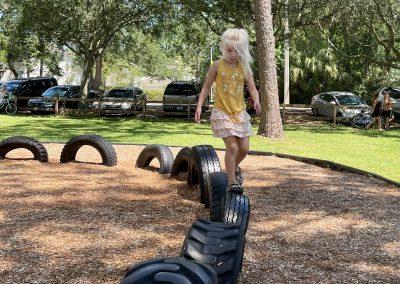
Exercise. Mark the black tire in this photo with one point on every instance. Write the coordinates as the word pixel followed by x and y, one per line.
pixel 105 148
pixel 235 208
pixel 160 152
pixel 218 185
pixel 170 270
pixel 203 161
pixel 217 244
pixel 38 150
pixel 181 162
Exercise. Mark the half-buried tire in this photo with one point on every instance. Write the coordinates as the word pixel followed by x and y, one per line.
pixel 156 151
pixel 181 162
pixel 219 245
pixel 203 162
pixel 235 208
pixel 105 148
pixel 217 187
pixel 170 270
pixel 35 147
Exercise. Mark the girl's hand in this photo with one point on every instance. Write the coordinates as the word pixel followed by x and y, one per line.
pixel 257 107
pixel 197 115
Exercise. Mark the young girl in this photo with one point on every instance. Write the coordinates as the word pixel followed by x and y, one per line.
pixel 229 119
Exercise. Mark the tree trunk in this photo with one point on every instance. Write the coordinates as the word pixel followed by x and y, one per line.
pixel 41 67
pixel 286 92
pixel 87 72
pixel 98 75
pixel 270 122
pixel 10 64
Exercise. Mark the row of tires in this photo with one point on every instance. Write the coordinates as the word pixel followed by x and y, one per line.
pixel 69 151
pixel 213 249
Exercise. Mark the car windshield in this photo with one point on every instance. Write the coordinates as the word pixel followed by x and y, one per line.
pixel 120 94
pixel 12 86
pixel 350 100
pixel 180 90
pixel 54 92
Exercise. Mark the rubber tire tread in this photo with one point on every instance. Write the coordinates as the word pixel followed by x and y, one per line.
pixel 104 147
pixel 235 208
pixel 219 245
pixel 156 151
pixel 35 147
pixel 203 161
pixel 170 270
pixel 218 185
pixel 181 162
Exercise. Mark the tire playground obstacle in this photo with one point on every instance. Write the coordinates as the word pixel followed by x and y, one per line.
pixel 105 148
pixel 213 249
pixel 218 243
pixel 16 142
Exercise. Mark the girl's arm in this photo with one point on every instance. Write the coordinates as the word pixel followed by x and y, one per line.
pixel 211 75
pixel 253 93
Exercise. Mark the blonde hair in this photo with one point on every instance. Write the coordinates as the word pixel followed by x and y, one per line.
pixel 239 40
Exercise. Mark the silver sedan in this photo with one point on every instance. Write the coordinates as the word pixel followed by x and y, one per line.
pixel 347 105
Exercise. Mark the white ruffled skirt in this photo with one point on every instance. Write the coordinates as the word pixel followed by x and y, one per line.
pixel 224 125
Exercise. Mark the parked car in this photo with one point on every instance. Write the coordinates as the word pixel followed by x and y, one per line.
pixel 347 105
pixel 46 102
pixel 395 96
pixel 178 94
pixel 124 100
pixel 28 87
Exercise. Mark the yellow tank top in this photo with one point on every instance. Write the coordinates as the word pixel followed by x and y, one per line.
pixel 229 82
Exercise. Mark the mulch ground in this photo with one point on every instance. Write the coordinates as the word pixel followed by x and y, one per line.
pixel 86 223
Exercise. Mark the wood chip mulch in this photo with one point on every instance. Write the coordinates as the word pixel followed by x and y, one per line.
pixel 86 223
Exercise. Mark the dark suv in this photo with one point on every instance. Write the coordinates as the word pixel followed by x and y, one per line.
pixel 178 94
pixel 28 87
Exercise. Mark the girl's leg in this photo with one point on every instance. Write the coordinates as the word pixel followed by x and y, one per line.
pixel 243 150
pixel 379 123
pixel 230 157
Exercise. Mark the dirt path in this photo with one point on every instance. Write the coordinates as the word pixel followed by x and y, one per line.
pixel 85 223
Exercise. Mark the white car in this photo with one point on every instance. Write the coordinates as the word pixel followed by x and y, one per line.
pixel 347 105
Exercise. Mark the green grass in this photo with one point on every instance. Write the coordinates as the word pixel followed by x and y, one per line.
pixel 374 151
